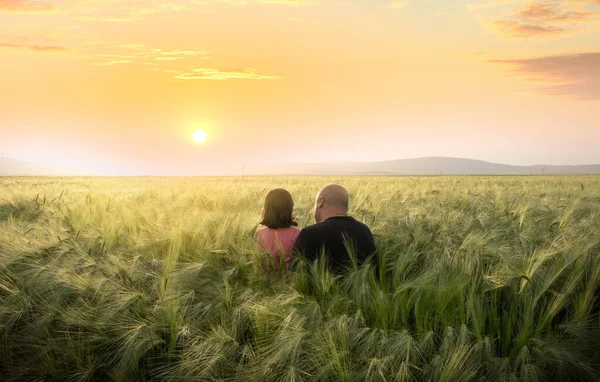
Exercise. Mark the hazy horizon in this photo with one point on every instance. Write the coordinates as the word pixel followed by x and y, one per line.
pixel 120 87
pixel 404 166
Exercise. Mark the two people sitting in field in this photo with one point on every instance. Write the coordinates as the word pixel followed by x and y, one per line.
pixel 336 235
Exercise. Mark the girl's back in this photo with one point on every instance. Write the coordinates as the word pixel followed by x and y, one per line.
pixel 278 242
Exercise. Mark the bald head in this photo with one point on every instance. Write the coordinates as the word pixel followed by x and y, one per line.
pixel 332 200
pixel 335 195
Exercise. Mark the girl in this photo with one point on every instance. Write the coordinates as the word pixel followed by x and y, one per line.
pixel 280 232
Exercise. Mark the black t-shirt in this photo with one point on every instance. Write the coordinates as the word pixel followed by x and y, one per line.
pixel 333 235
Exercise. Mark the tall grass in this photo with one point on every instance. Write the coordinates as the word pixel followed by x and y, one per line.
pixel 477 278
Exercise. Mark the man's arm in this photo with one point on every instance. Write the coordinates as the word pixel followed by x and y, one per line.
pixel 372 240
pixel 374 259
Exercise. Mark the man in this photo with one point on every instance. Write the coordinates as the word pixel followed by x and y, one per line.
pixel 335 232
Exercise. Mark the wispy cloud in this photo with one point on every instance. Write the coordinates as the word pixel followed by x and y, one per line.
pixel 107 19
pixel 181 52
pixel 153 52
pixel 116 52
pixel 35 48
pixel 114 62
pixel 536 18
pixel 574 76
pixel 173 55
pixel 224 74
pixel 536 10
pixel 25 6
pixel 549 11
pixel 522 30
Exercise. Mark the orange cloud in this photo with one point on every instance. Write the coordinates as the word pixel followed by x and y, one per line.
pixel 549 12
pixel 36 48
pixel 542 18
pixel 24 6
pixel 522 30
pixel 574 76
pixel 536 10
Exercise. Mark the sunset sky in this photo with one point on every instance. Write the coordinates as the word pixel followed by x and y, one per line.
pixel 119 87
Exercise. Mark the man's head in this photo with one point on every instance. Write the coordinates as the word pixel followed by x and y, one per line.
pixel 332 200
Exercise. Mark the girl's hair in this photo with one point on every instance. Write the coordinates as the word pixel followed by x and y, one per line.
pixel 278 210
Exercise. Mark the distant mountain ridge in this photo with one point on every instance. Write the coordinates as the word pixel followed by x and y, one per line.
pixel 420 166
pixel 14 167
pixel 414 166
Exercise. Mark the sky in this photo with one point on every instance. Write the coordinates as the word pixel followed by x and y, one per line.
pixel 119 87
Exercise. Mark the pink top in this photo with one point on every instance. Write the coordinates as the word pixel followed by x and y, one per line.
pixel 278 241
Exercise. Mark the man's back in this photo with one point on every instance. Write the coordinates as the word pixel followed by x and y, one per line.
pixel 334 235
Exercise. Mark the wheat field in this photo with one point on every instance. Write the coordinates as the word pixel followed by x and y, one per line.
pixel 127 279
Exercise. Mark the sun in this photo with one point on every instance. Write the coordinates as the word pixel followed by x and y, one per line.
pixel 199 136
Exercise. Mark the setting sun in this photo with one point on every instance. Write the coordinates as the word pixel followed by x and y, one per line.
pixel 199 136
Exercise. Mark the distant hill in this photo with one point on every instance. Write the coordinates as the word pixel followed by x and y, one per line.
pixel 13 167
pixel 418 166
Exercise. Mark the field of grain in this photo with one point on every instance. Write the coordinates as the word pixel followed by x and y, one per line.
pixel 479 279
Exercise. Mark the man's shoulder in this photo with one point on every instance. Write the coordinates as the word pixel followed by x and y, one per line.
pixel 363 225
pixel 334 224
pixel 349 221
pixel 313 228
